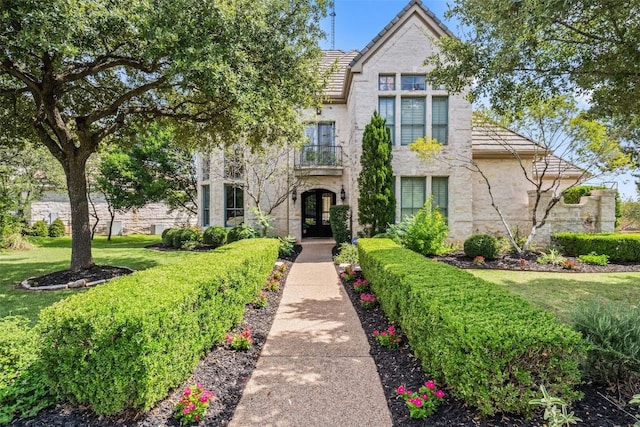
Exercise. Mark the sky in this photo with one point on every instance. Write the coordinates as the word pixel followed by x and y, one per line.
pixel 357 22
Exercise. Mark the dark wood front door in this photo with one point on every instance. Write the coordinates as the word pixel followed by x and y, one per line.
pixel 315 213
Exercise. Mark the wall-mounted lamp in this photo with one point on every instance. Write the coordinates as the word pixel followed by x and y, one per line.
pixel 318 111
pixel 294 195
pixel 343 195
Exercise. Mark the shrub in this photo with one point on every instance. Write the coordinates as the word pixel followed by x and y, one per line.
pixel 426 232
pixel 56 228
pixel 39 229
pixel 347 254
pixel 22 389
pixel 125 344
pixel 618 247
pixel 594 259
pixel 491 347
pixel 240 232
pixel 339 221
pixel 613 332
pixel 287 245
pixel 483 245
pixel 169 235
pixel 187 238
pixel 552 257
pixel 215 236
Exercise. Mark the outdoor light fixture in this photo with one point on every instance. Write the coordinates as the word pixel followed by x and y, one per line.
pixel 294 195
pixel 318 111
pixel 343 195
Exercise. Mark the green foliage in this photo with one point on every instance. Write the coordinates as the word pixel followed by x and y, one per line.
pixel 490 347
pixel 613 332
pixel 484 245
pixel 426 231
pixel 39 229
pixel 287 245
pixel 555 410
pixel 594 259
pixel 573 195
pixel 347 254
pixel 339 221
pixel 515 48
pixel 116 65
pixel 22 390
pixel 8 222
pixel 376 202
pixel 553 257
pixel 240 232
pixel 167 236
pixel 56 228
pixel 264 222
pixel 215 236
pixel 153 168
pixel 125 344
pixel 188 238
pixel 618 247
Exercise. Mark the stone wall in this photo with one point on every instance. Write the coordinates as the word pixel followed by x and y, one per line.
pixel 56 205
pixel 594 214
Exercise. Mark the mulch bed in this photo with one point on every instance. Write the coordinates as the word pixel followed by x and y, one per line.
pixel 399 367
pixel 91 274
pixel 222 371
pixel 513 262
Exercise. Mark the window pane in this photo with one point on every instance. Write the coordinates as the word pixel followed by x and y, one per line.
pixel 325 134
pixel 387 110
pixel 412 120
pixel 386 82
pixel 440 193
pixel 412 195
pixel 206 220
pixel 234 206
pixel 440 118
pixel 413 82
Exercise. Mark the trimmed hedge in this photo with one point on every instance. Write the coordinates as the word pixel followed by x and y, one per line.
pixel 339 221
pixel 484 245
pixel 215 236
pixel 618 247
pixel 492 348
pixel 125 344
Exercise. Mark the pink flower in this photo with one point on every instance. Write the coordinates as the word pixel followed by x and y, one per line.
pixel 425 397
pixel 197 418
pixel 185 411
pixel 384 334
pixel 187 391
pixel 375 332
pixel 417 401
pixel 398 340
pixel 204 398
pixel 401 390
pixel 391 329
pixel 439 394
pixel 430 385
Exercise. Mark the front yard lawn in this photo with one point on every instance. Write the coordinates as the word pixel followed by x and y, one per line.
pixel 560 292
pixel 53 254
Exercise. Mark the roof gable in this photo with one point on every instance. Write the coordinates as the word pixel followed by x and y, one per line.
pixel 414 7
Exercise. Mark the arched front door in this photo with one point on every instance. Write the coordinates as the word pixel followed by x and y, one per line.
pixel 315 212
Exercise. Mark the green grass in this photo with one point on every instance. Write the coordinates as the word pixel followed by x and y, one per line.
pixel 560 292
pixel 51 255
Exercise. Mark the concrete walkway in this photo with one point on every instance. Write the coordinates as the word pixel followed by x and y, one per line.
pixel 315 368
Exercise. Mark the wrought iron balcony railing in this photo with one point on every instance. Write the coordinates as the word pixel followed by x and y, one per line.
pixel 312 156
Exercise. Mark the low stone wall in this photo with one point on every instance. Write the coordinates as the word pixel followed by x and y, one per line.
pixel 594 214
pixel 151 219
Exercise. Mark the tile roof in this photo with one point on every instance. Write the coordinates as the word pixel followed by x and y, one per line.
pixel 336 80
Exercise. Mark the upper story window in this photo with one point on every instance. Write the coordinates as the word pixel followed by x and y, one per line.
pixel 440 118
pixel 412 119
pixel 206 166
pixel 387 110
pixel 233 163
pixel 413 82
pixel 320 148
pixel 386 82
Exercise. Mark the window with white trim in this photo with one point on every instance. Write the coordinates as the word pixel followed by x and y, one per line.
pixel 233 205
pixel 413 82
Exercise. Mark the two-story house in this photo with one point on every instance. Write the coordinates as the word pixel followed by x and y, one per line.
pixel 387 76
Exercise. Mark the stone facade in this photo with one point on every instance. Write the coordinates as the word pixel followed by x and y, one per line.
pixel 151 219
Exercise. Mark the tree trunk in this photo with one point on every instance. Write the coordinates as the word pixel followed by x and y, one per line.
pixel 75 171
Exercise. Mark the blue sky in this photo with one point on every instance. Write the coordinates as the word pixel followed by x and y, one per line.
pixel 357 22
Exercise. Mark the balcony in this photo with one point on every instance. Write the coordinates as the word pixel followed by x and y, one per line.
pixel 318 160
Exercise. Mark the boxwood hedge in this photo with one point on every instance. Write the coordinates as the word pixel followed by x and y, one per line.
pixel 492 348
pixel 618 247
pixel 125 344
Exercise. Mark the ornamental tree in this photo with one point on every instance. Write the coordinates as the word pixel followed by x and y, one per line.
pixel 512 48
pixel 376 203
pixel 78 75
